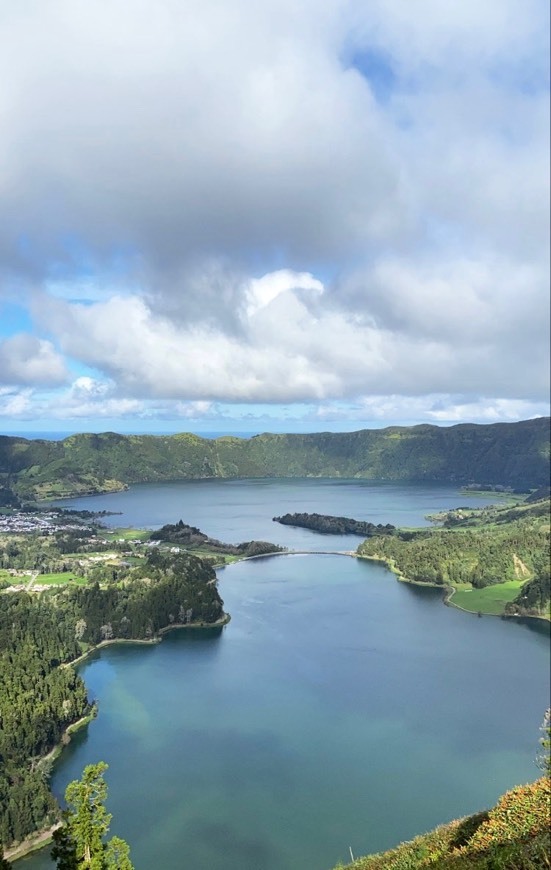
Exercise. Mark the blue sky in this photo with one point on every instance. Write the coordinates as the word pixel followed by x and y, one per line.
pixel 277 216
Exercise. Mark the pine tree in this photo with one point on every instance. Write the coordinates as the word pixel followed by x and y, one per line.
pixel 117 855
pixel 79 843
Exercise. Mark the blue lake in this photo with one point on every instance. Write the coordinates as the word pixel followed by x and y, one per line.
pixel 338 709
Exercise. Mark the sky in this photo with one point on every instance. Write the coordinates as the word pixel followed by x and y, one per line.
pixel 273 216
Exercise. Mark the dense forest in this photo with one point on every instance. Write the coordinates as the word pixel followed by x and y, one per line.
pixel 38 699
pixel 330 525
pixel 535 596
pixel 40 634
pixel 477 556
pixel 507 454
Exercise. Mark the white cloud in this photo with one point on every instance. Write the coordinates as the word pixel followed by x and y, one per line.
pixel 94 399
pixel 418 333
pixel 25 359
pixel 90 401
pixel 437 408
pixel 158 157
pixel 16 404
pixel 192 410
pixel 262 291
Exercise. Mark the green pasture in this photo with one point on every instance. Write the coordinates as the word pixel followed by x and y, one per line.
pixel 491 599
pixel 59 579
pixel 128 535
pixel 8 579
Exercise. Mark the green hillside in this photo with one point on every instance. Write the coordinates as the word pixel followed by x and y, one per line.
pixel 493 560
pixel 513 835
pixel 508 454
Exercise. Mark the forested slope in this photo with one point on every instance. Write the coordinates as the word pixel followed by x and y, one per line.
pixel 476 550
pixel 510 454
pixel 40 634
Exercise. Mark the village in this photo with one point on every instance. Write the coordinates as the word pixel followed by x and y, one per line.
pixel 18 522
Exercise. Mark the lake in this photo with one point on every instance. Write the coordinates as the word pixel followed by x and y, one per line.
pixel 338 709
pixel 241 510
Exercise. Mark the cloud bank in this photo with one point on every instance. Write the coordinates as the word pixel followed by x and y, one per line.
pixel 327 204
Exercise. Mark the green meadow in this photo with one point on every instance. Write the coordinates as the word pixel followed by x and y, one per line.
pixel 59 579
pixel 128 535
pixel 491 599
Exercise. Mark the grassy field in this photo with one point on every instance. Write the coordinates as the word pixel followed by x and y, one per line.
pixel 59 579
pixel 6 577
pixel 491 599
pixel 128 535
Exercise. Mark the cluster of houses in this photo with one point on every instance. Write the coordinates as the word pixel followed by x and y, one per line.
pixel 18 523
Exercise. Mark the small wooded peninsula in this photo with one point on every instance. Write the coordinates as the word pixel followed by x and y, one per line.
pixel 505 454
pixel 330 525
pixel 191 538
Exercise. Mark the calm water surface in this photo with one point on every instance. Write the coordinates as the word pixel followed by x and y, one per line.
pixel 338 708
pixel 240 510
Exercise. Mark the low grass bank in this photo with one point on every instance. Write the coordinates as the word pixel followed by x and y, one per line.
pixel 490 600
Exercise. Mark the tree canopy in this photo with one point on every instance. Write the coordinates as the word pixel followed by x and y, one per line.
pixel 80 842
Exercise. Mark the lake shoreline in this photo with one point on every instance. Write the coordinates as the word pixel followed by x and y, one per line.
pixel 153 641
pixel 447 590
pixel 34 843
pixel 43 837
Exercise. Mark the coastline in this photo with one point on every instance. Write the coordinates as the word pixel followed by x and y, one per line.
pixel 31 844
pixel 390 564
pixel 147 641
pixel 43 837
pixel 448 591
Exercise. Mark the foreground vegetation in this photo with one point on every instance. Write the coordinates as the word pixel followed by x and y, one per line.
pixel 38 698
pixel 505 454
pixel 80 842
pixel 513 835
